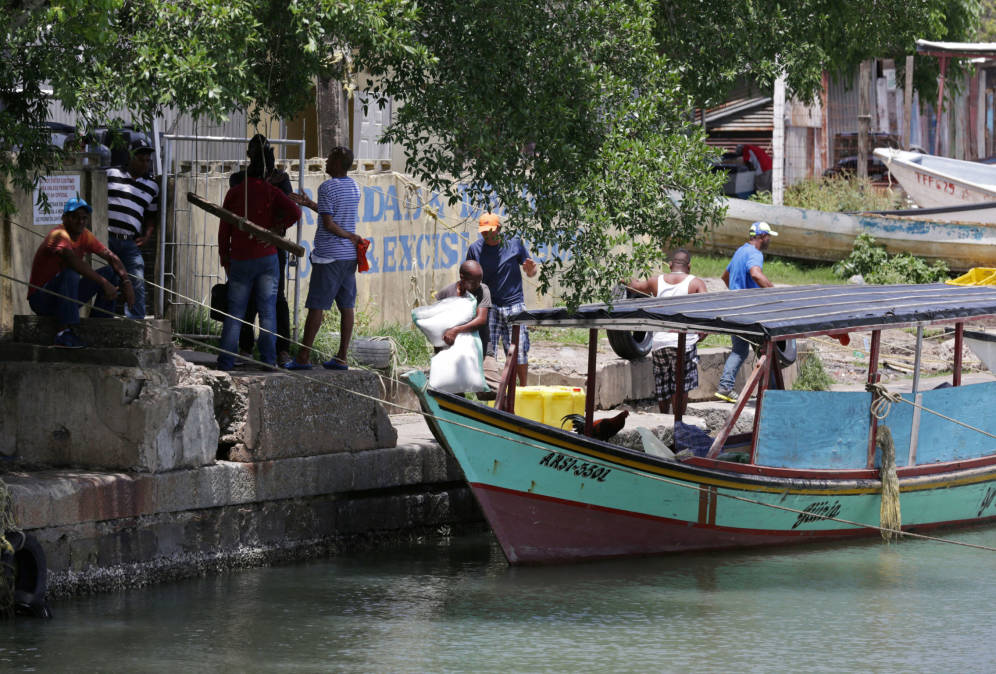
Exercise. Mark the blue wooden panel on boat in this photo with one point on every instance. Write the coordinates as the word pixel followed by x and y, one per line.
pixel 900 422
pixel 814 429
pixel 942 440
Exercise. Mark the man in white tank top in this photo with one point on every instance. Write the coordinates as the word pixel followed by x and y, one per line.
pixel 678 282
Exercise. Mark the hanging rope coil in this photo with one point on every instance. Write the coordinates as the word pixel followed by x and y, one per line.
pixel 882 400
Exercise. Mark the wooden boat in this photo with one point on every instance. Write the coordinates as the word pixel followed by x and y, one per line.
pixel 933 181
pixel 811 468
pixel 823 236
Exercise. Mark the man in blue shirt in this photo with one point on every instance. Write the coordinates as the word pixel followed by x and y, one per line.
pixel 500 261
pixel 333 259
pixel 744 271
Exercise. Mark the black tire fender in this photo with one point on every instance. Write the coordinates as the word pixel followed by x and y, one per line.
pixel 630 345
pixel 627 344
pixel 785 352
pixel 30 575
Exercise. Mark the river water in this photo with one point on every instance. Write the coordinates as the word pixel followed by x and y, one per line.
pixel 454 605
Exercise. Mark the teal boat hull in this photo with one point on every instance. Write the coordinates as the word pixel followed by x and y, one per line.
pixel 552 496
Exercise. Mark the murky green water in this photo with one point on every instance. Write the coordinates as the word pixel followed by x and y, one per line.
pixel 456 606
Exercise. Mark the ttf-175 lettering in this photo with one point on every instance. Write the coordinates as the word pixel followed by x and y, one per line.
pixel 569 464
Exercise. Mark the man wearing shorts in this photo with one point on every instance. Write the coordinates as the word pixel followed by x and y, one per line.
pixel 665 350
pixel 333 259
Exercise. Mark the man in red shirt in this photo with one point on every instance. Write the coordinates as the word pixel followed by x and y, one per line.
pixel 251 264
pixel 61 281
pixel 758 160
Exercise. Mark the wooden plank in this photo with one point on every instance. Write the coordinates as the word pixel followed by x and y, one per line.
pixel 589 398
pixel 247 226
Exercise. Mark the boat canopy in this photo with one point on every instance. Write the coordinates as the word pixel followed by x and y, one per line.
pixel 778 313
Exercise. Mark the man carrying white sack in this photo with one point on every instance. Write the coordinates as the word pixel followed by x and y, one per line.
pixel 470 285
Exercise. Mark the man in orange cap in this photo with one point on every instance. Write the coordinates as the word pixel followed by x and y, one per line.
pixel 501 261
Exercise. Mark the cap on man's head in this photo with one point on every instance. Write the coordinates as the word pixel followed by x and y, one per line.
pixel 488 222
pixel 760 228
pixel 140 145
pixel 75 204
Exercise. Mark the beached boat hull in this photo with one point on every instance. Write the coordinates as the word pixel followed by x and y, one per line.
pixel 819 235
pixel 553 496
pixel 933 181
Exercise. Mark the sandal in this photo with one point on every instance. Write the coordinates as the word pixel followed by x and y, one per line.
pixel 334 364
pixel 294 365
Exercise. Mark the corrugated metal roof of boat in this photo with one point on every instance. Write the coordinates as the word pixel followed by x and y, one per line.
pixel 782 312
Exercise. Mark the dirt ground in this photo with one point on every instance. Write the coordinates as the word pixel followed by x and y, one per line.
pixel 846 364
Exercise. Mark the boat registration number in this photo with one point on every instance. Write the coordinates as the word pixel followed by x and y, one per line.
pixel 569 464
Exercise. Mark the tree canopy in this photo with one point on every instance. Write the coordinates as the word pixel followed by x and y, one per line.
pixel 573 115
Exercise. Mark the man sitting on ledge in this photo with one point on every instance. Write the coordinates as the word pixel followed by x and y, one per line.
pixel 58 267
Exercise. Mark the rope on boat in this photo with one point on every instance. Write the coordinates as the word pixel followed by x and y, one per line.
pixel 890 517
pixel 506 438
pixel 882 405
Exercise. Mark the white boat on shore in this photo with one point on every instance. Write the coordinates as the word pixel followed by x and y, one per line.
pixel 823 236
pixel 937 182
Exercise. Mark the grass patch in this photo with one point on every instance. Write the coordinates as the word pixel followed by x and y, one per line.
pixel 715 340
pixel 577 336
pixel 412 347
pixel 779 270
pixel 812 376
pixel 836 194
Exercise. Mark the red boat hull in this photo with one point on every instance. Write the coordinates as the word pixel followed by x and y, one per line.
pixel 533 529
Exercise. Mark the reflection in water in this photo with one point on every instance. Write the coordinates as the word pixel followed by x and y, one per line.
pixel 455 605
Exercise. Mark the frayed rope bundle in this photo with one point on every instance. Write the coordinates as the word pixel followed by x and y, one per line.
pixel 890 516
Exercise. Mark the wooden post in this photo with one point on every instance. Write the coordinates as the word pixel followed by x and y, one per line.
pixel 959 341
pixel 679 379
pixel 778 144
pixel 505 400
pixel 724 432
pixel 825 123
pixel 873 353
pixel 864 118
pixel 908 103
pixel 589 395
pixel 762 385
pixel 940 105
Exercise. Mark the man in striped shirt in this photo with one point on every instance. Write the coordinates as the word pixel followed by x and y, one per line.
pixel 132 206
pixel 333 259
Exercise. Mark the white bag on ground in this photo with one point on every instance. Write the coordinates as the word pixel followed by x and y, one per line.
pixel 435 319
pixel 460 368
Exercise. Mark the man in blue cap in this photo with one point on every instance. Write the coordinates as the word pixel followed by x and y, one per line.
pixel 744 271
pixel 61 280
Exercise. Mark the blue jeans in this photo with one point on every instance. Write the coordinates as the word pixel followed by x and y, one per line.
pixel 733 362
pixel 257 278
pixel 69 283
pixel 131 258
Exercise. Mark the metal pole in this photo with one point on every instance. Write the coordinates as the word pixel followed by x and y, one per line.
pixel 916 359
pixel 589 396
pixel 163 183
pixel 300 231
pixel 959 341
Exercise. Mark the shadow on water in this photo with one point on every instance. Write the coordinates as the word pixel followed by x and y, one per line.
pixel 455 605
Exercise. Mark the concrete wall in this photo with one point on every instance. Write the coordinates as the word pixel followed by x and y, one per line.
pixel 417 240
pixel 20 238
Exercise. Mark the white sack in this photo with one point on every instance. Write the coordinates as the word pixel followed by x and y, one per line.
pixel 460 368
pixel 435 319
